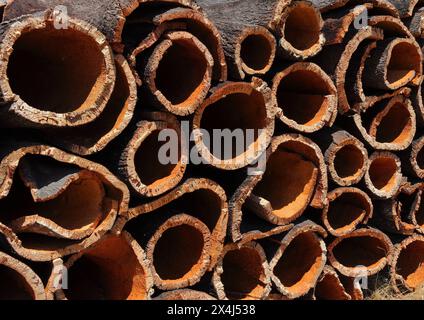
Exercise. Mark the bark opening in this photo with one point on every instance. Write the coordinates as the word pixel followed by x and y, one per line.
pixel 404 63
pixel 410 264
pixel 13 285
pixel 349 162
pixel 301 262
pixel 383 173
pixel 181 72
pixel 57 70
pixel 147 164
pixel 395 126
pixel 257 51
pixel 178 252
pixel 302 27
pixel 288 183
pixel 109 271
pixel 243 274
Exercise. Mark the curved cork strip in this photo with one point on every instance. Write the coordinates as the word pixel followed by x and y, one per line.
pixel 363 252
pixel 96 135
pixel 139 163
pixel 329 286
pixel 292 160
pixel 306 97
pixel 416 24
pixel 416 216
pixel 244 27
pixel 184 294
pixel 190 197
pixel 243 109
pixel 383 176
pixel 394 64
pixel 296 274
pixel 392 124
pixel 347 208
pixel 242 273
pixel 186 19
pixel 18 281
pixel 405 7
pixel 395 215
pixel 407 266
pixel 300 31
pixel 53 176
pixel 179 252
pixel 417 157
pixel 115 268
pixel 81 85
pixel 178 73
pixel 346 158
pixel 328 5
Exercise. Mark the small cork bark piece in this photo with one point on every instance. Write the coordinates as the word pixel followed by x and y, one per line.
pixel 363 252
pixel 407 266
pixel 239 109
pixel 295 176
pixel 52 187
pixel 73 93
pixel 184 294
pixel 180 18
pixel 115 268
pixel 179 252
pixel 396 215
pixel 141 165
pixel 329 286
pixel 299 260
pixel 346 158
pixel 383 177
pixel 190 197
pixel 300 31
pixel 306 97
pixel 347 208
pixel 178 73
pixel 242 273
pixel 18 281
pixel 244 27
pixel 95 136
pixel 394 64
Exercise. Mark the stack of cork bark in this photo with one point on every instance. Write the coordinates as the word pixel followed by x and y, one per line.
pixel 330 90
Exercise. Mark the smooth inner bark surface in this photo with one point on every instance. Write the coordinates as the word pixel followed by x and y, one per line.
pixel 345 210
pixel 13 285
pixel 403 63
pixel 396 125
pixel 382 173
pixel 348 162
pixel 410 264
pixel 256 51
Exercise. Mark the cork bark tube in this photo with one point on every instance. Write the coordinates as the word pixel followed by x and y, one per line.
pixel 242 273
pixel 115 268
pixel 53 77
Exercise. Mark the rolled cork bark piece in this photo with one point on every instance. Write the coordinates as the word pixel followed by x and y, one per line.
pixel 383 176
pixel 96 135
pixel 178 73
pixel 363 252
pixel 33 92
pixel 163 19
pixel 184 294
pixel 329 286
pixel 115 268
pixel 245 26
pixel 53 186
pixel 347 208
pixel 299 260
pixel 140 165
pixel 294 162
pixel 402 213
pixel 241 109
pixel 18 281
pixel 406 268
pixel 404 7
pixel 190 198
pixel 394 64
pixel 306 97
pixel 346 156
pixel 242 273
pixel 416 158
pixel 300 31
